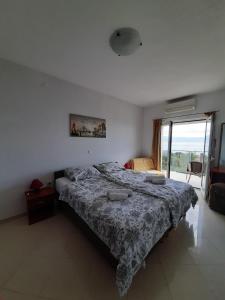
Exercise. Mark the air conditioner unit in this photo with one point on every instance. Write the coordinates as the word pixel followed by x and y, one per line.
pixel 186 104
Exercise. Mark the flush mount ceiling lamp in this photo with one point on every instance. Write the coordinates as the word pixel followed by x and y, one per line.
pixel 125 41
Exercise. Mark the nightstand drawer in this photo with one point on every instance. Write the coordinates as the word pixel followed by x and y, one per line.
pixel 42 202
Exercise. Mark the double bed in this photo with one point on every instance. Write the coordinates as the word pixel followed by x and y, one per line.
pixel 129 229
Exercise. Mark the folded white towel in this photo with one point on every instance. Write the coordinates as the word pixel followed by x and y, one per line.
pixel 154 176
pixel 117 196
pixel 156 179
pixel 126 191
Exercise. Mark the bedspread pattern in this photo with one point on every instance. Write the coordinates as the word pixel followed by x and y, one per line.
pixel 130 228
pixel 178 196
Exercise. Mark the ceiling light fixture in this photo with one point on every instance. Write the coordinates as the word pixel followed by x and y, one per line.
pixel 125 41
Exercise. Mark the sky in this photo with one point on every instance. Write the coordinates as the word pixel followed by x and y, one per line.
pixel 194 132
pixel 187 130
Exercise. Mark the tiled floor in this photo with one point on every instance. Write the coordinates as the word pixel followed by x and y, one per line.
pixel 195 181
pixel 53 259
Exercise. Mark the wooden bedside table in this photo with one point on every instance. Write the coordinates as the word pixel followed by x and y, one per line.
pixel 40 204
pixel 217 175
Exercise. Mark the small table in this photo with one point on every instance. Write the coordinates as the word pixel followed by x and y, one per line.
pixel 40 204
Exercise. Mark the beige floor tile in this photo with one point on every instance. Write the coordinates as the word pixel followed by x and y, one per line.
pixel 71 246
pixel 53 259
pixel 174 253
pixel 17 239
pixel 16 245
pixel 66 279
pixel 8 267
pixel 204 252
pixel 153 257
pixel 215 279
pixel 218 242
pixel 149 283
pixel 100 283
pixel 11 295
pixel 31 276
pixel 187 283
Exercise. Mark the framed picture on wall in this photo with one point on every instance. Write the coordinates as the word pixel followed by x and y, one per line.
pixel 84 126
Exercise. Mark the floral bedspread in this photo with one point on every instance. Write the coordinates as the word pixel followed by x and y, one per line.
pixel 178 196
pixel 130 228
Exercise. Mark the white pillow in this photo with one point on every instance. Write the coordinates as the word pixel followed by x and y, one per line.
pixel 88 173
pixel 109 167
pixel 75 174
pixel 72 173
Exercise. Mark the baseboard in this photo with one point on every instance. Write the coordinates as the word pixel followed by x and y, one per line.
pixel 12 218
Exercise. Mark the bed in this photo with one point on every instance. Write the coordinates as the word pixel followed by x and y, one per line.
pixel 129 229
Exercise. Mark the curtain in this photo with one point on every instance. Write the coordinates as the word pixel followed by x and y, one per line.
pixel 156 143
pixel 212 146
pixel 211 151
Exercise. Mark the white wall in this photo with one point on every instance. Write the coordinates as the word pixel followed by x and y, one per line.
pixel 34 130
pixel 205 102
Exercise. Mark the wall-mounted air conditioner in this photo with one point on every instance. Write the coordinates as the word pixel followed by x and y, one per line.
pixel 186 104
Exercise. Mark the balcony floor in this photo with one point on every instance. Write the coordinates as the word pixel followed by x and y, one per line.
pixel 195 181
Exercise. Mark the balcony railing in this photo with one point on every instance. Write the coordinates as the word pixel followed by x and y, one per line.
pixel 180 159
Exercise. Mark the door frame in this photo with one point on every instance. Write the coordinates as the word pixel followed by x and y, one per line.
pixel 169 147
pixel 205 188
pixel 170 123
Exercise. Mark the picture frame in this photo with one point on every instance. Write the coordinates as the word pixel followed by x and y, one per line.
pixel 86 126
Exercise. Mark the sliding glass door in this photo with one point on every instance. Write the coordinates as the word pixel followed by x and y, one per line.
pixel 185 151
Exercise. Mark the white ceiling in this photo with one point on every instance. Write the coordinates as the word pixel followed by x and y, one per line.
pixel 183 48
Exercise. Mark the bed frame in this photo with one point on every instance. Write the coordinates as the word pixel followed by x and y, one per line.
pixel 75 218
